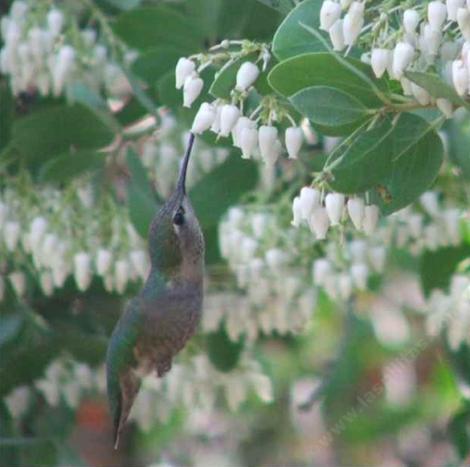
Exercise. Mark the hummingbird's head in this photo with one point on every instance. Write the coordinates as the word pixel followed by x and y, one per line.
pixel 176 241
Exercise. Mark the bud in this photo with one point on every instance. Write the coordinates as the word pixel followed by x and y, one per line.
pixel 402 57
pixel 184 69
pixel 139 262
pixel 379 61
pixel 460 77
pixel 437 13
pixel 330 12
pixel 248 142
pixel 377 256
pixel 192 88
pixel 321 270
pixel 410 20
pixel 319 223
pixel 55 21
pixel 353 22
pixel 337 36
pixel 293 140
pixel 204 118
pixel 359 274
pixel 420 94
pixel 228 118
pixel 246 76
pixel 121 275
pixel 355 207
pixel 371 217
pixel 452 8
pixel 103 261
pixel 309 199
pixel 445 106
pixel 11 235
pixel 406 85
pixel 18 282
pixel 296 212
pixel 334 204
pixel 267 137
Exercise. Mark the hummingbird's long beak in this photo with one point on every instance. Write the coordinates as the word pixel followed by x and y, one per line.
pixel 181 185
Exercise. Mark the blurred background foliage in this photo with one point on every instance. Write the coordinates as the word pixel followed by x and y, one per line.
pixel 51 147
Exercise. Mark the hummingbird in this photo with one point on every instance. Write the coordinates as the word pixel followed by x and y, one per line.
pixel 158 322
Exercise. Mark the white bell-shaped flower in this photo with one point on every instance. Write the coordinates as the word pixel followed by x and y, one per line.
pixel 319 223
pixel 463 20
pixel 37 231
pixel 337 36
pixel 320 271
pixel 358 250
pixel 452 8
pixel 215 127
pixel 334 204
pixel 275 258
pixel 55 21
pixel 377 256
pixel 402 57
pixel 437 14
pixel 11 235
pixel 47 284
pixel 242 123
pixel 359 275
pixel 309 199
pixel 430 41
pixel 371 217
pixel 379 61
pixel 192 88
pixel 460 77
pixel 228 119
pixel 353 22
pixel 246 76
pixel 82 270
pixel 18 282
pixel 330 12
pixel 293 139
pixel 273 155
pixel 63 67
pixel 296 212
pixel 184 69
pixel 204 118
pixel 121 275
pixel 430 203
pixel 410 21
pixel 139 261
pixel 263 387
pixel 356 207
pixel 103 261
pixel 420 94
pixel 345 286
pixel 248 142
pixel 267 137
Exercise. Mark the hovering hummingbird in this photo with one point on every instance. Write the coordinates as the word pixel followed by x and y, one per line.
pixel 163 316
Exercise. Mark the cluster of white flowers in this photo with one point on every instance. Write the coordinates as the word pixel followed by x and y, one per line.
pixel 320 212
pixel 58 236
pixel 254 134
pixel 46 51
pixel 197 384
pixel 430 226
pixel 64 381
pixel 451 312
pixel 161 155
pixel 430 35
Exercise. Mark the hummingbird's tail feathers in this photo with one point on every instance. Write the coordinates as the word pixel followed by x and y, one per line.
pixel 181 185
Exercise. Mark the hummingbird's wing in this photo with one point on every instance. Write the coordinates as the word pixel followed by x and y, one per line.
pixel 122 382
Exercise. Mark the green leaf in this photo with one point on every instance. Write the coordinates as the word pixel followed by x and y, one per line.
pixel 459 142
pixel 142 202
pixel 459 429
pixel 145 28
pixel 291 38
pixel 221 188
pixel 155 63
pixel 124 4
pixel 324 69
pixel 401 158
pixel 10 327
pixel 435 86
pixel 7 106
pixel 331 108
pixel 67 166
pixel 54 131
pixel 223 353
pixel 437 267
pixel 284 6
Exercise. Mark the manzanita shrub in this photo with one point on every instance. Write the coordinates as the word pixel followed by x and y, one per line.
pixel 331 176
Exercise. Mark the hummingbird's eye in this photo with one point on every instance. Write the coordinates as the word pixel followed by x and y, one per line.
pixel 178 218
